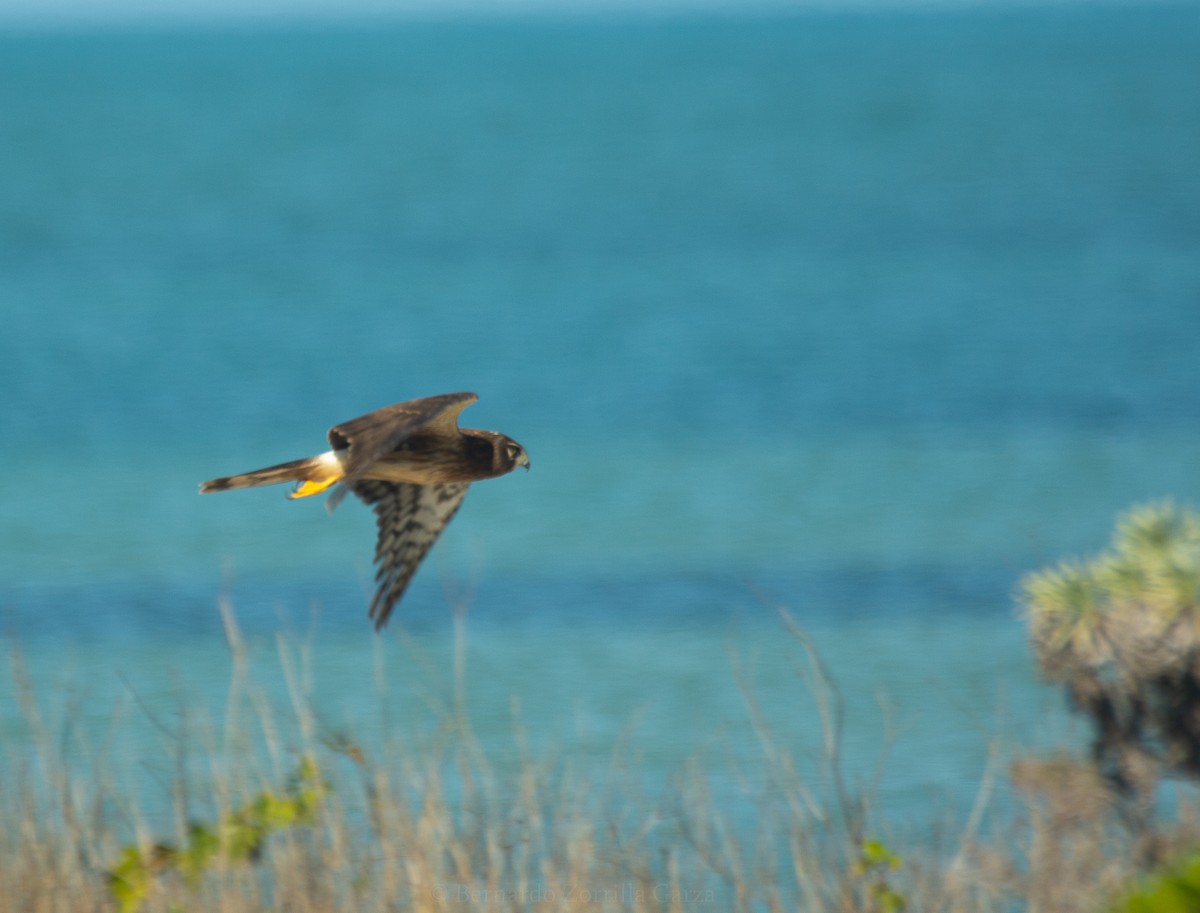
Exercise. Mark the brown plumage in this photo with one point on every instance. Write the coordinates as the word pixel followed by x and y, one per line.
pixel 412 464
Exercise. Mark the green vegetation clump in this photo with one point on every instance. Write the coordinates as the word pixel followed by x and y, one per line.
pixel 1173 889
pixel 239 838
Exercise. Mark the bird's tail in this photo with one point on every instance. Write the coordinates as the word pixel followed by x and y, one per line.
pixel 312 475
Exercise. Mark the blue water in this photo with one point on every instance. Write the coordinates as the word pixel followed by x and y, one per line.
pixel 864 314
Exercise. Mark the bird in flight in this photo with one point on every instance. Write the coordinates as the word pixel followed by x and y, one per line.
pixel 412 464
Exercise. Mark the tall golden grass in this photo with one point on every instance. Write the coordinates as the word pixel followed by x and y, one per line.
pixel 434 825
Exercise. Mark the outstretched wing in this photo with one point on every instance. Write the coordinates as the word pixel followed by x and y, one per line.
pixel 410 518
pixel 370 436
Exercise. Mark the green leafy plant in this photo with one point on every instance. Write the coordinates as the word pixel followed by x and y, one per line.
pixel 876 863
pixel 239 838
pixel 1174 889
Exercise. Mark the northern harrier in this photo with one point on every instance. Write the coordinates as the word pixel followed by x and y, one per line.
pixel 412 464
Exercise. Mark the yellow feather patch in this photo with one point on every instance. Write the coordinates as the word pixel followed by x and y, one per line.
pixel 315 486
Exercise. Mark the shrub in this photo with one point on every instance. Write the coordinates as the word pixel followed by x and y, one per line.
pixel 1121 632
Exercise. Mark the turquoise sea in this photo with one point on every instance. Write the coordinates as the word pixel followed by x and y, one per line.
pixel 864 314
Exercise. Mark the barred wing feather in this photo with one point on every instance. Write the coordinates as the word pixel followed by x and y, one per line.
pixel 410 518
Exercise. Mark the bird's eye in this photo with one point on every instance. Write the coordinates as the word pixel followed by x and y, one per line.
pixel 513 451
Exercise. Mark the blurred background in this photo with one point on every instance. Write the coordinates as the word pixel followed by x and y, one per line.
pixel 863 311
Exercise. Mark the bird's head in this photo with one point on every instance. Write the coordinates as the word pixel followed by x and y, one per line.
pixel 508 454
pixel 499 450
